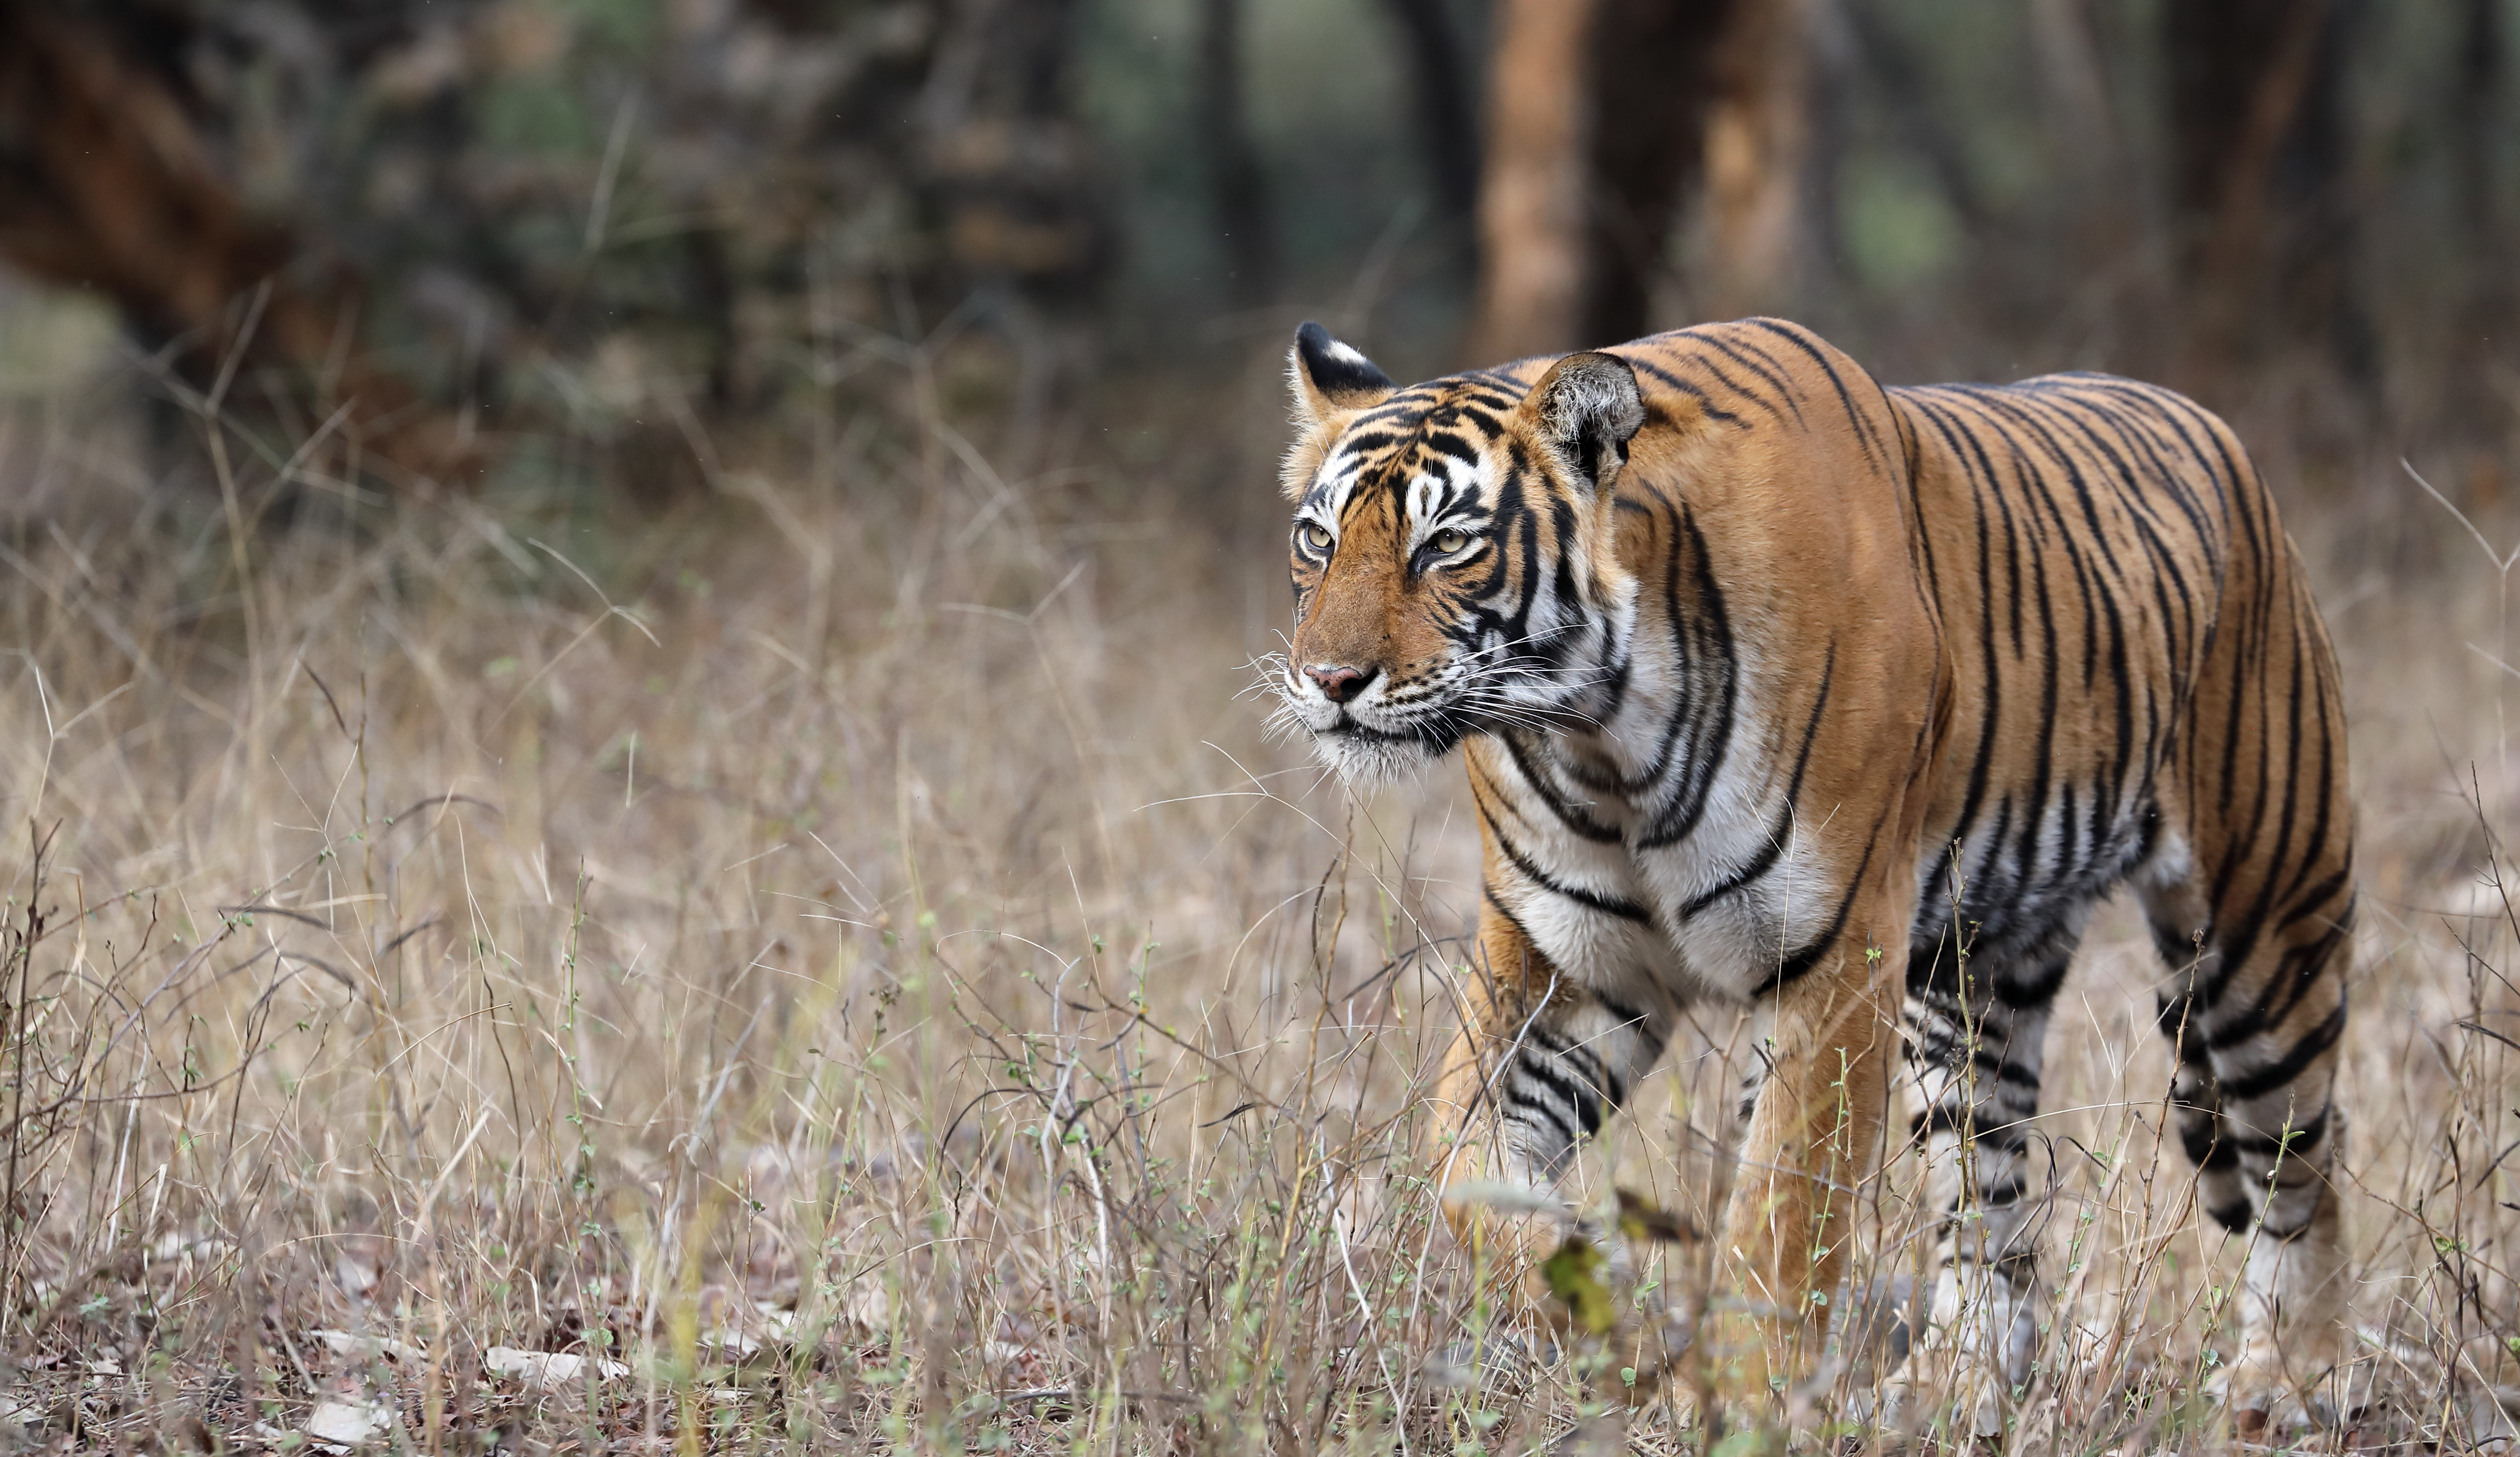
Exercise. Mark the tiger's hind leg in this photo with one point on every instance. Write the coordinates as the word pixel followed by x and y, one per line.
pixel 1969 1088
pixel 2254 1010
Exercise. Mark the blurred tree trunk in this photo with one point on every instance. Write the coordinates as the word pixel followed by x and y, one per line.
pixel 105 183
pixel 2073 89
pixel 1007 167
pixel 1908 93
pixel 2257 161
pixel 1757 143
pixel 1836 76
pixel 1653 62
pixel 1237 189
pixel 2474 98
pixel 2482 347
pixel 1010 175
pixel 2103 233
pixel 1531 200
pixel 1598 125
pixel 1440 92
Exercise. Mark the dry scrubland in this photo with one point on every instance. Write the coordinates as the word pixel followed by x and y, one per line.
pixel 858 968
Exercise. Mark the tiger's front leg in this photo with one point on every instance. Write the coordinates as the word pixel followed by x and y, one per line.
pixel 1813 1139
pixel 1541 1062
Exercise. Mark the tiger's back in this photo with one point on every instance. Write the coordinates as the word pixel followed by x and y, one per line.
pixel 2090 541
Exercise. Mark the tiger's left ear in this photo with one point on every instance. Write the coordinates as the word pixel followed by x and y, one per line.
pixel 1330 378
pixel 1586 409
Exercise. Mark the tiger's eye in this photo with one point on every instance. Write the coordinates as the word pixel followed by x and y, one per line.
pixel 1316 536
pixel 1450 540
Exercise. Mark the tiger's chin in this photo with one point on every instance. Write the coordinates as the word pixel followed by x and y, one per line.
pixel 1368 757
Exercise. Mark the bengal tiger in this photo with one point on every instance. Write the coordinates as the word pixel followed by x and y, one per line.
pixel 1780 686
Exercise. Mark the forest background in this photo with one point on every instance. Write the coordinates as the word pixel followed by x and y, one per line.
pixel 625 630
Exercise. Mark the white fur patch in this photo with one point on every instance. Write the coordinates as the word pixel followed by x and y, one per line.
pixel 1425 500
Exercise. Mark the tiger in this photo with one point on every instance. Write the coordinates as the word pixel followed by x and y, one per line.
pixel 1780 689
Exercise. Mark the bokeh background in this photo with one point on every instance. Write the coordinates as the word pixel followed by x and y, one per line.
pixel 627 650
pixel 513 226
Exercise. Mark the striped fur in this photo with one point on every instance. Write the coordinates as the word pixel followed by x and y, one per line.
pixel 1778 686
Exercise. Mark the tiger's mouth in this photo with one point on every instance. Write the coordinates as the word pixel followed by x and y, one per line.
pixel 1347 725
pixel 1407 720
pixel 1368 741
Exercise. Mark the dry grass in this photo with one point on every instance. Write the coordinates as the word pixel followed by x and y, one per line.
pixel 856 967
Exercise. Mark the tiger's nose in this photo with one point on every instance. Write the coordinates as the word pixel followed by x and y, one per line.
pixel 1338 682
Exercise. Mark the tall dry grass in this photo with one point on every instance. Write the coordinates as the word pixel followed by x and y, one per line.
pixel 836 968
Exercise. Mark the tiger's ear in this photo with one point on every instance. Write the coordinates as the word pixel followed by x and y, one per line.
pixel 1329 377
pixel 1586 409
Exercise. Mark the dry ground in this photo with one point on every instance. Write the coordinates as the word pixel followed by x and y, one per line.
pixel 846 975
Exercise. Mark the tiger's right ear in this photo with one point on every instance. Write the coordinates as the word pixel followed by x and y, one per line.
pixel 1330 378
pixel 1331 382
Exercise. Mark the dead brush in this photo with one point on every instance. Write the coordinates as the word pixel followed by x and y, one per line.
pixel 841 971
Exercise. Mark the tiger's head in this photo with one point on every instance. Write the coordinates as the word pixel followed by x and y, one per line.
pixel 1454 553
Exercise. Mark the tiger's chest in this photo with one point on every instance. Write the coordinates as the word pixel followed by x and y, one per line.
pixel 1660 886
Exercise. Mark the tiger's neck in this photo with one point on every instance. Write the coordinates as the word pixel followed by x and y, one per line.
pixel 1648 736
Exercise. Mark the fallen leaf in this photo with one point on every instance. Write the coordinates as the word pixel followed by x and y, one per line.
pixel 1574 1275
pixel 355 1348
pixel 346 1424
pixel 546 1368
pixel 868 1306
pixel 1642 1220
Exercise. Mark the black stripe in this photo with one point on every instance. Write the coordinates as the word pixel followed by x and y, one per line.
pixel 1756 361
pixel 2292 977
pixel 1795 336
pixel 2291 1065
pixel 1766 859
pixel 2235 1217
pixel 2034 992
pixel 1945 1117
pixel 1674 382
pixel 1587 1063
pixel 1586 1107
pixel 1707 707
pixel 1515 1110
pixel 2200 1137
pixel 1799 964
pixel 1626 910
pixel 2299 1141
pixel 1582 825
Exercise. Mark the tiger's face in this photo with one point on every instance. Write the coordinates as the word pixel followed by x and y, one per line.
pixel 1452 553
